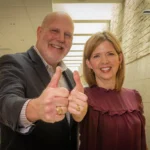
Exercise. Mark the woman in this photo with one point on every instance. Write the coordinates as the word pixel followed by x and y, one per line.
pixel 114 120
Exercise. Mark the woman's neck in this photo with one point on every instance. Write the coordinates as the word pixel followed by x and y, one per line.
pixel 107 84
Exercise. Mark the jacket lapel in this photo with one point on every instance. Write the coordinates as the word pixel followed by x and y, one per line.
pixel 69 78
pixel 39 66
pixel 44 76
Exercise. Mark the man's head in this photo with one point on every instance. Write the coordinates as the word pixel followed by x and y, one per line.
pixel 54 37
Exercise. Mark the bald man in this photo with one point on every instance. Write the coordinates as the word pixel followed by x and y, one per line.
pixel 37 109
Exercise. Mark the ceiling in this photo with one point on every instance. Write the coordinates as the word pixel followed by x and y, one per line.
pixel 19 20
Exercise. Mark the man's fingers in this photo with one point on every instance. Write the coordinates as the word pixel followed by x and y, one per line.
pixel 56 77
pixel 77 80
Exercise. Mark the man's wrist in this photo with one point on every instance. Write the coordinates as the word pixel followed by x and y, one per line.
pixel 32 111
pixel 24 122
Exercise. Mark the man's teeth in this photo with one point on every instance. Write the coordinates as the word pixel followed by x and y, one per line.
pixel 56 46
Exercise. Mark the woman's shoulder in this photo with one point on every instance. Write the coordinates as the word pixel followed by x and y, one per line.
pixel 133 96
pixel 92 90
pixel 89 88
pixel 129 92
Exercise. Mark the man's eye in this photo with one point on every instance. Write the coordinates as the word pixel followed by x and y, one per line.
pixel 68 35
pixel 55 31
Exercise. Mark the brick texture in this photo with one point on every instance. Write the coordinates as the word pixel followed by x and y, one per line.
pixel 132 28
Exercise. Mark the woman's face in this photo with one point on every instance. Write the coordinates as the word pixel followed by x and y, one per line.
pixel 105 62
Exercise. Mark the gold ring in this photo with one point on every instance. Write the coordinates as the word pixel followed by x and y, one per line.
pixel 78 107
pixel 59 110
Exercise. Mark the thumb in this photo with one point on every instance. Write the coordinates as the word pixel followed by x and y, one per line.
pixel 77 80
pixel 56 77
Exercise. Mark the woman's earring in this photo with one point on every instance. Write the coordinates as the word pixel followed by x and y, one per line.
pixel 120 66
pixel 91 71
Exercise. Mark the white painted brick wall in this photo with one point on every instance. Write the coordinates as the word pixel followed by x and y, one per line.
pixel 132 27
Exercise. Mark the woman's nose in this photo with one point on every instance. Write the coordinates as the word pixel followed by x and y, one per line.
pixel 104 59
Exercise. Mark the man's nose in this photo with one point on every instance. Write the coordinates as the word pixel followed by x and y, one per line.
pixel 61 37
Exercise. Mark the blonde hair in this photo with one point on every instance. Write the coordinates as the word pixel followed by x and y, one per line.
pixel 90 46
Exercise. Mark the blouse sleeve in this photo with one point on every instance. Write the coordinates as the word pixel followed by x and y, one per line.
pixel 139 100
pixel 143 136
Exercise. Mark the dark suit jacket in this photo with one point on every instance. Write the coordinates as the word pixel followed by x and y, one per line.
pixel 24 76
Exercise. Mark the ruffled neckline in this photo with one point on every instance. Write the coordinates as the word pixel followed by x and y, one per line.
pixel 103 89
pixel 112 101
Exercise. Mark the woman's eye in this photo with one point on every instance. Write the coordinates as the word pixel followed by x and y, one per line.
pixel 110 54
pixel 96 56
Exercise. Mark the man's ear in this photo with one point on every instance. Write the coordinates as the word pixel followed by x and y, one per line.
pixel 38 32
pixel 88 64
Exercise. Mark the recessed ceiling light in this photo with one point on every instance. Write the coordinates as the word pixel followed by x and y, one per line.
pixel 147 11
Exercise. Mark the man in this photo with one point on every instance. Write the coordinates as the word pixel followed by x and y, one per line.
pixel 37 111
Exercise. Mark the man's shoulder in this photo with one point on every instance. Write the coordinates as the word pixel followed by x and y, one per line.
pixel 17 57
pixel 11 57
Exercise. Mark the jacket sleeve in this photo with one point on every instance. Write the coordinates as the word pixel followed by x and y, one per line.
pixel 12 96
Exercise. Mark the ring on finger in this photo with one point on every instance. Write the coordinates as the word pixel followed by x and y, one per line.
pixel 59 110
pixel 78 107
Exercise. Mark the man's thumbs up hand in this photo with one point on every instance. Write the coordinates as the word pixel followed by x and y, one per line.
pixel 77 80
pixel 77 99
pixel 56 77
pixel 52 104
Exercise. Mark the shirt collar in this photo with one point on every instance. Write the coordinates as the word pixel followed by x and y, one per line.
pixel 61 64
